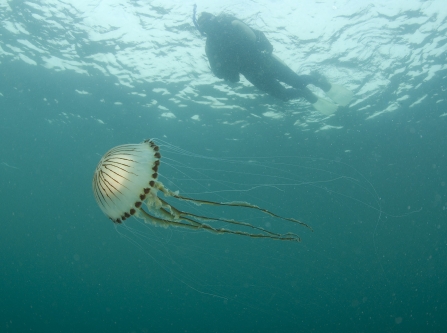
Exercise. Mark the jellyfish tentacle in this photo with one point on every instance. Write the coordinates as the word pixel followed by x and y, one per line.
pixel 169 193
pixel 267 233
pixel 195 225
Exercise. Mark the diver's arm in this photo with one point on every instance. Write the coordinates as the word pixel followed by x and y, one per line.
pixel 253 36
pixel 213 59
pixel 262 43
pixel 244 30
pixel 221 68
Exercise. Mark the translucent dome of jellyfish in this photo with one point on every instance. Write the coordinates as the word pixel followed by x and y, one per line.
pixel 125 184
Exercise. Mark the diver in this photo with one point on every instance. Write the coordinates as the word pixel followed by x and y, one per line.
pixel 233 48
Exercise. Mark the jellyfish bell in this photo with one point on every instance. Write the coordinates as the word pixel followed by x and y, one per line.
pixel 124 178
pixel 125 184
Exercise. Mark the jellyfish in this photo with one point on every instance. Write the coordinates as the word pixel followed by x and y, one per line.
pixel 125 184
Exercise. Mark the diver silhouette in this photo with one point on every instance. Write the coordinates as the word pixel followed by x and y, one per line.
pixel 233 48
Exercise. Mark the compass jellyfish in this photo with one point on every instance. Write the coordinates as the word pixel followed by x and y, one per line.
pixel 125 184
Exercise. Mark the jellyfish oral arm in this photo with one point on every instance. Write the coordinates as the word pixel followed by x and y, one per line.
pixel 199 202
pixel 185 222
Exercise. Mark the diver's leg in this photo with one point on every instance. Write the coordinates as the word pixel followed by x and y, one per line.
pixel 336 92
pixel 285 74
pixel 280 71
pixel 267 83
pixel 270 85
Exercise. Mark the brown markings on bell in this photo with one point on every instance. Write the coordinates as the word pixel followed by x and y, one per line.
pixel 142 197
pixel 147 190
pixel 152 183
pixel 138 204
pixel 132 211
pixel 155 175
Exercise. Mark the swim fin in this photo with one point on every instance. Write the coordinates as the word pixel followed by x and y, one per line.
pixel 324 106
pixel 340 94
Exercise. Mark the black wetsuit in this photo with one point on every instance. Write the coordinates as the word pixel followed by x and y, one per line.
pixel 230 53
